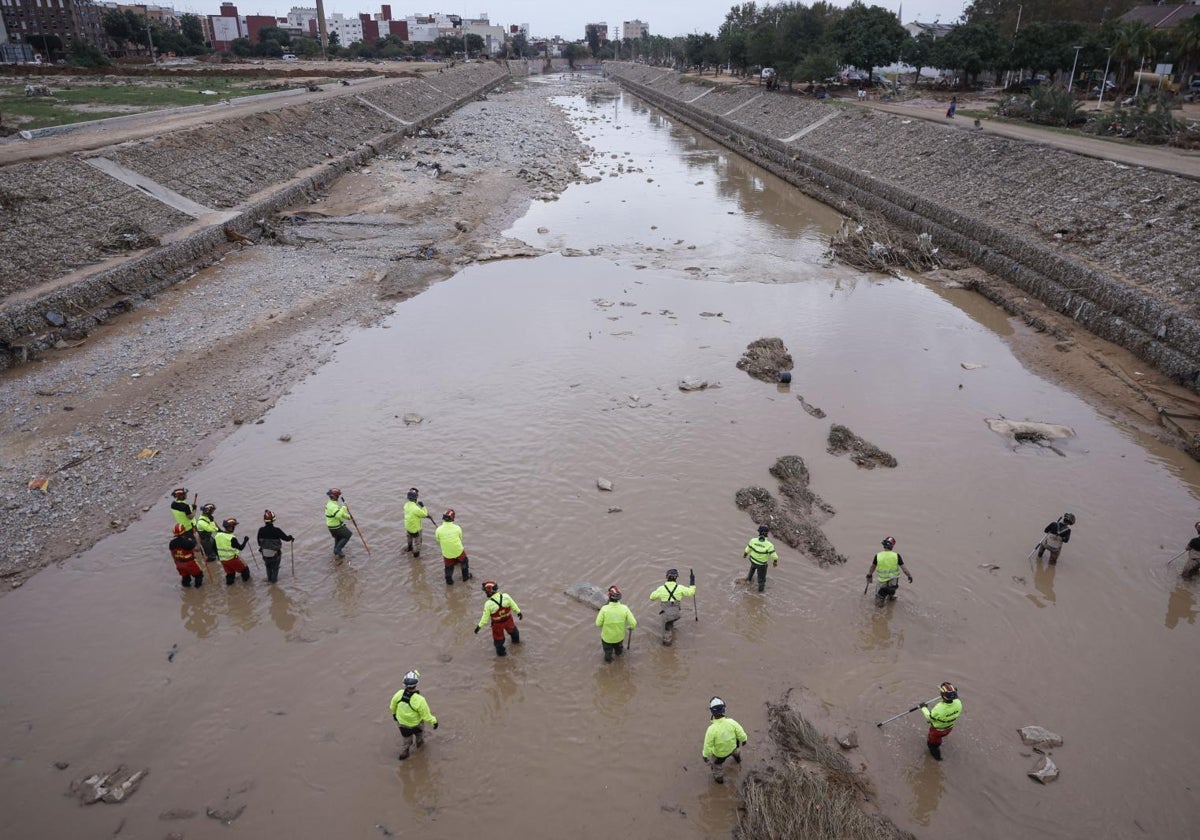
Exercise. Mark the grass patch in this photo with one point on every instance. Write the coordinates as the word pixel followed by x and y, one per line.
pixel 810 793
pixel 80 101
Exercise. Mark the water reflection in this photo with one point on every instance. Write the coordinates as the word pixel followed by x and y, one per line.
pixel 239 605
pixel 1181 605
pixel 282 609
pixel 1043 580
pixel 927 782
pixel 875 633
pixel 195 613
pixel 615 686
pixel 421 779
pixel 345 589
pixel 753 615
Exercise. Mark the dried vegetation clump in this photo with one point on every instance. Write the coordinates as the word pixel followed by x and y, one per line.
pixel 865 454
pixel 875 245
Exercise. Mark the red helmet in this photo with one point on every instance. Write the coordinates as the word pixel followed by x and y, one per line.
pixel 333 493
pixel 179 492
pixel 614 594
pixel 179 530
pixel 448 516
pixel 889 543
pixel 948 691
pixel 229 524
pixel 489 586
pixel 268 516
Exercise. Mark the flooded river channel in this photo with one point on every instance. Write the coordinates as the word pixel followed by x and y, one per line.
pixel 536 377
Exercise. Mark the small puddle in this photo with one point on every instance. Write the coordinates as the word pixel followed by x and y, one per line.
pixel 533 379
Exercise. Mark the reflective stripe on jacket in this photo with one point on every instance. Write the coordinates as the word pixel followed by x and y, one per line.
pixel 887 566
pixel 943 714
pixel 411 710
pixel 723 736
pixel 612 620
pixel 226 550
pixel 760 550
pixel 498 608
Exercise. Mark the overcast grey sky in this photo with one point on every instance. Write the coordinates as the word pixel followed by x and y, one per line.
pixel 666 17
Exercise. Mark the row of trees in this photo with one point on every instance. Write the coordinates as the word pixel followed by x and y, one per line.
pixel 810 42
pixel 134 33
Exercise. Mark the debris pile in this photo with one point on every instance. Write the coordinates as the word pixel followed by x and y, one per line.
pixel 865 454
pixel 765 359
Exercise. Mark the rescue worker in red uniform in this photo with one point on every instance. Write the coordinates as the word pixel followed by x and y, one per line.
pixel 498 609
pixel 942 717
pixel 227 552
pixel 183 552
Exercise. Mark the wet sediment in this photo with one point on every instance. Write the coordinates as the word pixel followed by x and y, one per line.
pixel 1126 274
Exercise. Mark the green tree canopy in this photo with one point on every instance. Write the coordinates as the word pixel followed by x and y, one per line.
pixel 868 36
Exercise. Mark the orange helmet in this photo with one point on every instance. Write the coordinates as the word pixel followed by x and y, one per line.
pixel 179 530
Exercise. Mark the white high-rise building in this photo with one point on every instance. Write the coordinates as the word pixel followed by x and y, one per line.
pixel 635 29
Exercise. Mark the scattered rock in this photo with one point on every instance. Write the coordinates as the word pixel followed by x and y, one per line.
pixel 285 438
pixel 116 786
pixel 692 383
pixel 1045 771
pixel 847 738
pixel 604 484
pixel 172 652
pixel 711 314
pixel 55 319
pixel 765 358
pixel 811 409
pixel 614 510
pixel 61 765
pixel 866 455
pixel 1039 737
pixel 226 813
pixel 587 593
pixel 412 419
pixel 543 230
pixel 971 366
pixel 177 814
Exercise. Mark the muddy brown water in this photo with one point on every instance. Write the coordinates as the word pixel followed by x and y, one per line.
pixel 527 385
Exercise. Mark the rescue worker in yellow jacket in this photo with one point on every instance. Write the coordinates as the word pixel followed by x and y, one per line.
pixel 414 512
pixel 942 717
pixel 613 618
pixel 886 567
pixel 336 516
pixel 498 609
pixel 206 530
pixel 671 594
pixel 723 738
pixel 760 550
pixel 183 512
pixel 449 537
pixel 227 552
pixel 409 710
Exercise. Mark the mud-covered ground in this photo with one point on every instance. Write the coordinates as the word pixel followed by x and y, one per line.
pixel 116 422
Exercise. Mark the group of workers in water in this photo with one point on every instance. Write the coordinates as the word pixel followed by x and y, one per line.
pixel 197 535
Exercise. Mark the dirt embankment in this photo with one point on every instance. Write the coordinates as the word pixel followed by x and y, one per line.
pixel 160 380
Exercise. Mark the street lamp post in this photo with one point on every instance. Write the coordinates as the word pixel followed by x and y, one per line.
pixel 1104 81
pixel 1074 63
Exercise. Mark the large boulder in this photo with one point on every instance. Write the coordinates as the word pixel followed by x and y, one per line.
pixel 587 593
pixel 1039 737
pixel 1045 771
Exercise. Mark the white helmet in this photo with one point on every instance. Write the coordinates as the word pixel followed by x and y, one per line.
pixel 411 678
pixel 716 706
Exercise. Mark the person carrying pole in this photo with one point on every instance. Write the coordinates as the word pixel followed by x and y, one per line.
pixel 183 512
pixel 1057 534
pixel 409 710
pixel 498 609
pixel 336 515
pixel 723 738
pixel 449 537
pixel 227 552
pixel 941 717
pixel 414 512
pixel 183 552
pixel 270 542
pixel 206 530
pixel 671 594
pixel 760 550
pixel 886 567
pixel 1192 566
pixel 613 618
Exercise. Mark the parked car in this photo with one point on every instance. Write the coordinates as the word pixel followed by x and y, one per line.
pixel 288 57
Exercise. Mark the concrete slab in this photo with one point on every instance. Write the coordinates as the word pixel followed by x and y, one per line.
pixel 812 127
pixel 152 188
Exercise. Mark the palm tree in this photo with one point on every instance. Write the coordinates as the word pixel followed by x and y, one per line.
pixel 1134 42
pixel 1187 42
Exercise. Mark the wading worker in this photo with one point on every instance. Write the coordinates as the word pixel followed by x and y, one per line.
pixel 723 738
pixel 886 567
pixel 414 512
pixel 941 717
pixel 1192 566
pixel 227 552
pixel 613 618
pixel 760 550
pixel 183 512
pixel 670 594
pixel 183 552
pixel 498 609
pixel 410 710
pixel 1057 534
pixel 449 537
pixel 206 530
pixel 336 515
pixel 270 543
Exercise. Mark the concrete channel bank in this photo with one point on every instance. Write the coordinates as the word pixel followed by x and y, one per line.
pixel 189 190
pixel 1111 246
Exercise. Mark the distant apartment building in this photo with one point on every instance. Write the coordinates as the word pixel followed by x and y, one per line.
pixel 225 28
pixel 634 29
pixel 162 14
pixel 72 21
pixel 601 30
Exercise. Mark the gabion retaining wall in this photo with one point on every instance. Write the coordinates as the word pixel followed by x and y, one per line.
pixel 24 327
pixel 1112 247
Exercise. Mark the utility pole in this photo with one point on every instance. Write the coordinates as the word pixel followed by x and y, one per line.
pixel 1104 81
pixel 1071 81
pixel 150 39
pixel 322 28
